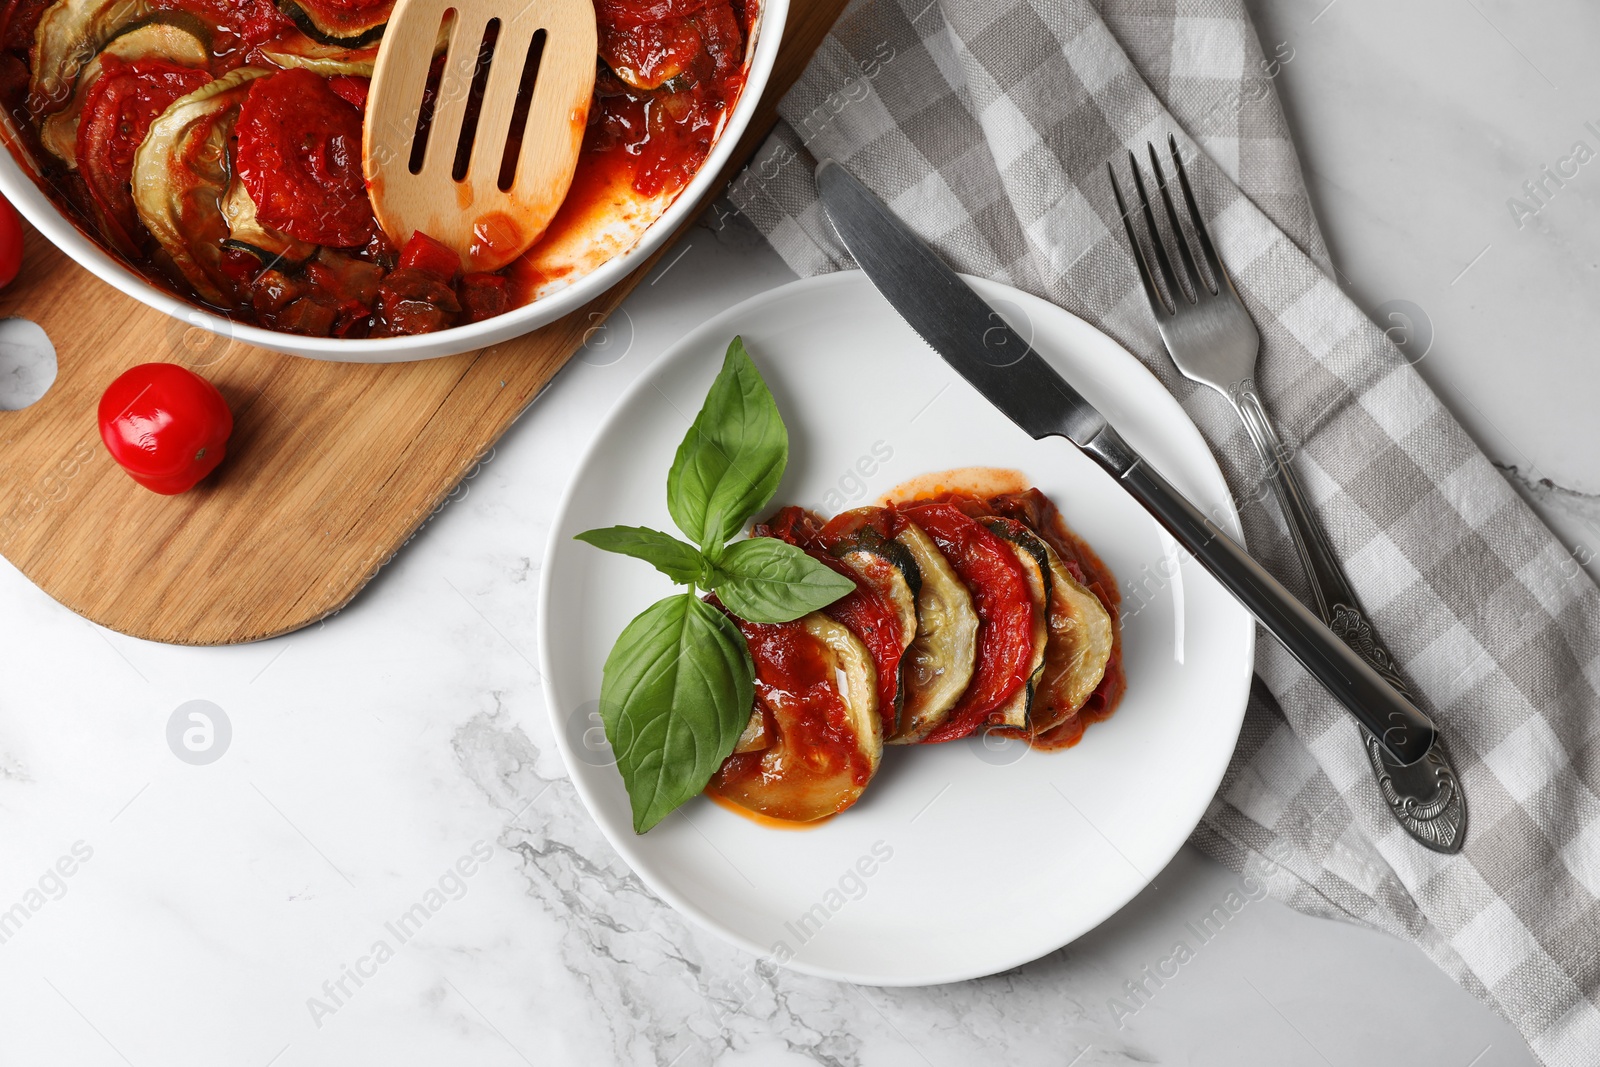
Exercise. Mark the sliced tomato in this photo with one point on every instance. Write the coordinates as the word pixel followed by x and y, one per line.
pixel 1041 515
pixel 1005 612
pixel 352 88
pixel 299 156
pixel 867 611
pixel 348 18
pixel 117 112
pixel 254 21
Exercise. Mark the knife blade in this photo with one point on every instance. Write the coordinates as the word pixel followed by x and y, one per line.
pixel 972 337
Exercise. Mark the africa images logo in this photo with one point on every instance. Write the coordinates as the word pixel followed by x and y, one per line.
pixel 450 885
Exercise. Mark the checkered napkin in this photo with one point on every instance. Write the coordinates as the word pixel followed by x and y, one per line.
pixel 987 125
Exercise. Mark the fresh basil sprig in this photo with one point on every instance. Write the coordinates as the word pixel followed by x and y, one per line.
pixel 678 685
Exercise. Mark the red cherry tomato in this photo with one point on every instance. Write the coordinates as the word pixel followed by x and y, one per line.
pixel 165 425
pixel 10 242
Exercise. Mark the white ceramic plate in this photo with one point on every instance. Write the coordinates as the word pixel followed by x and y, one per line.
pixel 961 859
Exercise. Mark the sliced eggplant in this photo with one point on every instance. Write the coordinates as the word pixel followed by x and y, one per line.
pixel 1081 635
pixel 181 174
pixel 940 661
pixel 825 740
pixel 159 40
pixel 887 567
pixel 246 232
pixel 69 35
pixel 1031 552
pixel 347 25
pixel 295 49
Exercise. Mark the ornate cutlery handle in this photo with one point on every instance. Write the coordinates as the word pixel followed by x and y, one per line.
pixel 1425 796
pixel 1404 730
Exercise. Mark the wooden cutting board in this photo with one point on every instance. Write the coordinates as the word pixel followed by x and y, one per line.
pixel 330 468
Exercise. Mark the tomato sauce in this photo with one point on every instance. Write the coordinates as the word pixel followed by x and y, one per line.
pixel 867 612
pixel 759 819
pixel 798 689
pixel 669 73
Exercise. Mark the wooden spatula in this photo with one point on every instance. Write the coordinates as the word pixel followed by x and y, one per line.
pixel 484 166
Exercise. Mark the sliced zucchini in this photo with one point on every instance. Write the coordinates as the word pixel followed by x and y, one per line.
pixel 161 40
pixel 295 49
pixel 246 232
pixel 943 654
pixel 756 736
pixel 354 29
pixel 181 173
pixel 1081 634
pixel 1031 552
pixel 69 35
pixel 792 778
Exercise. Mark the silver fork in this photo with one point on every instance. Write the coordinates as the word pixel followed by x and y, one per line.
pixel 1212 340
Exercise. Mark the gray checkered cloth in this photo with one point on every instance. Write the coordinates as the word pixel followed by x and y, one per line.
pixel 987 125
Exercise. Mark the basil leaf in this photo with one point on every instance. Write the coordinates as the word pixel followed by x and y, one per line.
pixel 732 458
pixel 764 579
pixel 681 562
pixel 676 693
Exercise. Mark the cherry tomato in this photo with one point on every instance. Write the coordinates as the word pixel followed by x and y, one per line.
pixel 299 157
pixel 165 425
pixel 10 243
pixel 117 112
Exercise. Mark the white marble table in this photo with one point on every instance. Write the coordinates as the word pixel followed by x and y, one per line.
pixel 228 912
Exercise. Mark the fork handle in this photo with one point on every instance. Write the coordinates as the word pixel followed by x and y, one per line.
pixel 1397 725
pixel 1425 796
pixel 1336 600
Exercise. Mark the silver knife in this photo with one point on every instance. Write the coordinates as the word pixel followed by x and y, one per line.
pixel 973 339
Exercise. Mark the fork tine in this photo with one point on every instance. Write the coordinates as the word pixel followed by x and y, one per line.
pixel 1197 282
pixel 1158 304
pixel 1218 274
pixel 1160 246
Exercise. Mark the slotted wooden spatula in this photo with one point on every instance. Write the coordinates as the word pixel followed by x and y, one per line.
pixel 483 165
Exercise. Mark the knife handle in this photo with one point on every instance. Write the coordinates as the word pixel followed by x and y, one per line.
pixel 1397 723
